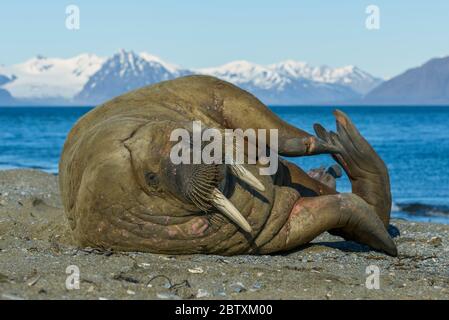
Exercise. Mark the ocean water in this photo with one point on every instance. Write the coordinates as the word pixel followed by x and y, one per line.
pixel 413 141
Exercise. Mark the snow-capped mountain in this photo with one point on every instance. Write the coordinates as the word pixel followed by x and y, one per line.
pixel 43 78
pixel 351 76
pixel 5 79
pixel 123 72
pixel 246 73
pixel 174 69
pixel 281 83
pixel 89 79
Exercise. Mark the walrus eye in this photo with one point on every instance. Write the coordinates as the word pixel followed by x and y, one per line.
pixel 151 178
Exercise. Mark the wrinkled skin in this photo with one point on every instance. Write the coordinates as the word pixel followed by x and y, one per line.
pixel 118 193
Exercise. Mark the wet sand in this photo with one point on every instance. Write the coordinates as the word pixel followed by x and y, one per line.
pixel 36 249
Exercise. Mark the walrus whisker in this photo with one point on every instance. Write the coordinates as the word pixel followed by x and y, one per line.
pixel 229 210
pixel 202 180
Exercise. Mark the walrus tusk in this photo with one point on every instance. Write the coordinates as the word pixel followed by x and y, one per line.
pixel 229 210
pixel 240 172
pixel 243 174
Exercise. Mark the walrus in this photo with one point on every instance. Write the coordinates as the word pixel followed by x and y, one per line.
pixel 121 191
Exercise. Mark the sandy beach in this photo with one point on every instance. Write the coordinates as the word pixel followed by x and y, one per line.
pixel 36 249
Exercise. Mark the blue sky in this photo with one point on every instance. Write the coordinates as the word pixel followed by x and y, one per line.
pixel 201 34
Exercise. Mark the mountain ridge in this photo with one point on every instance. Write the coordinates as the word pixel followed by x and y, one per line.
pixel 87 79
pixel 90 79
pixel 426 84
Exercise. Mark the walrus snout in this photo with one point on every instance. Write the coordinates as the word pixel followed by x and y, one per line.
pixel 193 183
pixel 203 185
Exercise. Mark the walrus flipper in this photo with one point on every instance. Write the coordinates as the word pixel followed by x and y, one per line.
pixel 345 212
pixel 365 169
pixel 229 105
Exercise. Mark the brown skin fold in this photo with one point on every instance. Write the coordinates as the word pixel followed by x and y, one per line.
pixel 118 194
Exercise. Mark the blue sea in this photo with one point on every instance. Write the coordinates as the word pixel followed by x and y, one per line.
pixel 413 141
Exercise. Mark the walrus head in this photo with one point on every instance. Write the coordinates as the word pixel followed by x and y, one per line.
pixel 121 189
pixel 199 187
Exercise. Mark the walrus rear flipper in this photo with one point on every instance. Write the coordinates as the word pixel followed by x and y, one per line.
pixel 365 169
pixel 346 212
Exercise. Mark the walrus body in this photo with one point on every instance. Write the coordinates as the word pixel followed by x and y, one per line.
pixel 120 191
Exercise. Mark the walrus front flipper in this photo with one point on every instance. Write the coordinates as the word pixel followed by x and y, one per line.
pixel 365 169
pixel 345 212
pixel 234 108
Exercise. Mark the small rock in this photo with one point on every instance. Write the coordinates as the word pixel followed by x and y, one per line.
pixel 435 241
pixel 169 296
pixel 167 258
pixel 91 289
pixel 167 285
pixel 130 292
pixel 144 265
pixel 256 286
pixel 238 287
pixel 202 293
pixel 196 270
pixel 33 280
pixel 220 292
